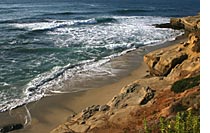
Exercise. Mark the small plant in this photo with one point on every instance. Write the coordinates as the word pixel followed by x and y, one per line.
pixel 162 125
pixel 184 122
pixel 184 84
pixel 145 126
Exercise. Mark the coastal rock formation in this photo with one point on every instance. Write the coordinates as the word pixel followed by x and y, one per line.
pixel 162 62
pixel 151 97
pixel 177 61
pixel 128 116
pixel 189 24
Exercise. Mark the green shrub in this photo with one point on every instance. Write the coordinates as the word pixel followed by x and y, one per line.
pixel 184 122
pixel 184 84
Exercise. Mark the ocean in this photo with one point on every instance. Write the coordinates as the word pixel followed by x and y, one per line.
pixel 45 43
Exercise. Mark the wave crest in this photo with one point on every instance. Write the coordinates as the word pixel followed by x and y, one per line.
pixel 54 24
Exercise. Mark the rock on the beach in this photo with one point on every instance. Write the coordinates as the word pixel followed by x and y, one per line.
pixel 11 127
pixel 165 25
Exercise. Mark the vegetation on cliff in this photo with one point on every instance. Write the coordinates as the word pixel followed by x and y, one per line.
pixel 184 84
pixel 183 122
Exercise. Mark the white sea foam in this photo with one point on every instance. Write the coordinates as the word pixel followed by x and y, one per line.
pixel 52 24
pixel 128 31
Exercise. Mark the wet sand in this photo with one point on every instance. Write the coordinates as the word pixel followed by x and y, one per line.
pixel 49 112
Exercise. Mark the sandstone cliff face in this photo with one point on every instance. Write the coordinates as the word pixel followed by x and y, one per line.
pixel 149 97
pixel 162 62
pixel 182 59
pixel 178 61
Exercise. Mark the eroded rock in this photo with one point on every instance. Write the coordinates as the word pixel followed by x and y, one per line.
pixel 104 108
pixel 161 64
pixel 90 111
pixel 128 90
pixel 149 95
pixel 194 41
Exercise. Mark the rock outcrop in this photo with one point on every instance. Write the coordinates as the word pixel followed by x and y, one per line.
pixel 151 97
pixel 182 59
pixel 161 63
pixel 178 61
pixel 189 24
pixel 132 108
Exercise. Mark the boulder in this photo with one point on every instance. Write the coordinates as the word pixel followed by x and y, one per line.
pixel 11 127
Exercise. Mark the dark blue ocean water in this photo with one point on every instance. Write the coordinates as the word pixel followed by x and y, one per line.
pixel 45 41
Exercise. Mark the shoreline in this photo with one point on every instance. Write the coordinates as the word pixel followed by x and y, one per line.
pixel 49 112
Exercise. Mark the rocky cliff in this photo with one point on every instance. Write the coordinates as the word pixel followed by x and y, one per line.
pixel 189 24
pixel 178 61
pixel 151 97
